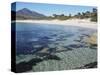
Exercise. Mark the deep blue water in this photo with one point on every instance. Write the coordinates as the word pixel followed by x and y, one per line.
pixel 31 38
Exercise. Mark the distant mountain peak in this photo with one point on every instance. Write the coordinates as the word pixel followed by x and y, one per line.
pixel 28 14
pixel 24 9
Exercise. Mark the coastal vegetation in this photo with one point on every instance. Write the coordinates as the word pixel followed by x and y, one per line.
pixel 26 14
pixel 80 15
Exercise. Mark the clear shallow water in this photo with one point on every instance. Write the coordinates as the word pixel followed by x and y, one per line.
pixel 64 44
pixel 31 38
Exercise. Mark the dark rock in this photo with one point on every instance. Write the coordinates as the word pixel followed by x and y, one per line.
pixel 87 35
pixel 52 57
pixel 76 46
pixel 51 50
pixel 27 66
pixel 90 65
pixel 93 46
pixel 77 40
pixel 54 35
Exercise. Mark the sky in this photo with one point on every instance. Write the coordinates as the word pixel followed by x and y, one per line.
pixel 49 9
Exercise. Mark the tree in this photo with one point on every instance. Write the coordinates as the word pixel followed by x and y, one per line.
pixel 94 15
pixel 83 14
pixel 79 15
pixel 87 12
pixel 62 14
pixel 94 10
pixel 70 15
pixel 55 15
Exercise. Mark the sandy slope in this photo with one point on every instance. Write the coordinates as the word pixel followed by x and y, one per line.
pixel 73 22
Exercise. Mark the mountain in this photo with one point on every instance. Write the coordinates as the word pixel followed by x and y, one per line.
pixel 28 14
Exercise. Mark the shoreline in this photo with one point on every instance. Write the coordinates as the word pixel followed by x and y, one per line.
pixel 71 22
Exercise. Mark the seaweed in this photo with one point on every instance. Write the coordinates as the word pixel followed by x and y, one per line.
pixel 27 66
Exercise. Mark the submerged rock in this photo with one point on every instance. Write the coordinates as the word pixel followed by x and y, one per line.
pixel 90 65
pixel 92 41
pixel 75 46
pixel 52 57
pixel 27 66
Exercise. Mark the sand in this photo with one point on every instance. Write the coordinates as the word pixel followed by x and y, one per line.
pixel 71 22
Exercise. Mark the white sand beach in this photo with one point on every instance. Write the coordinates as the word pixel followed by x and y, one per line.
pixel 71 22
